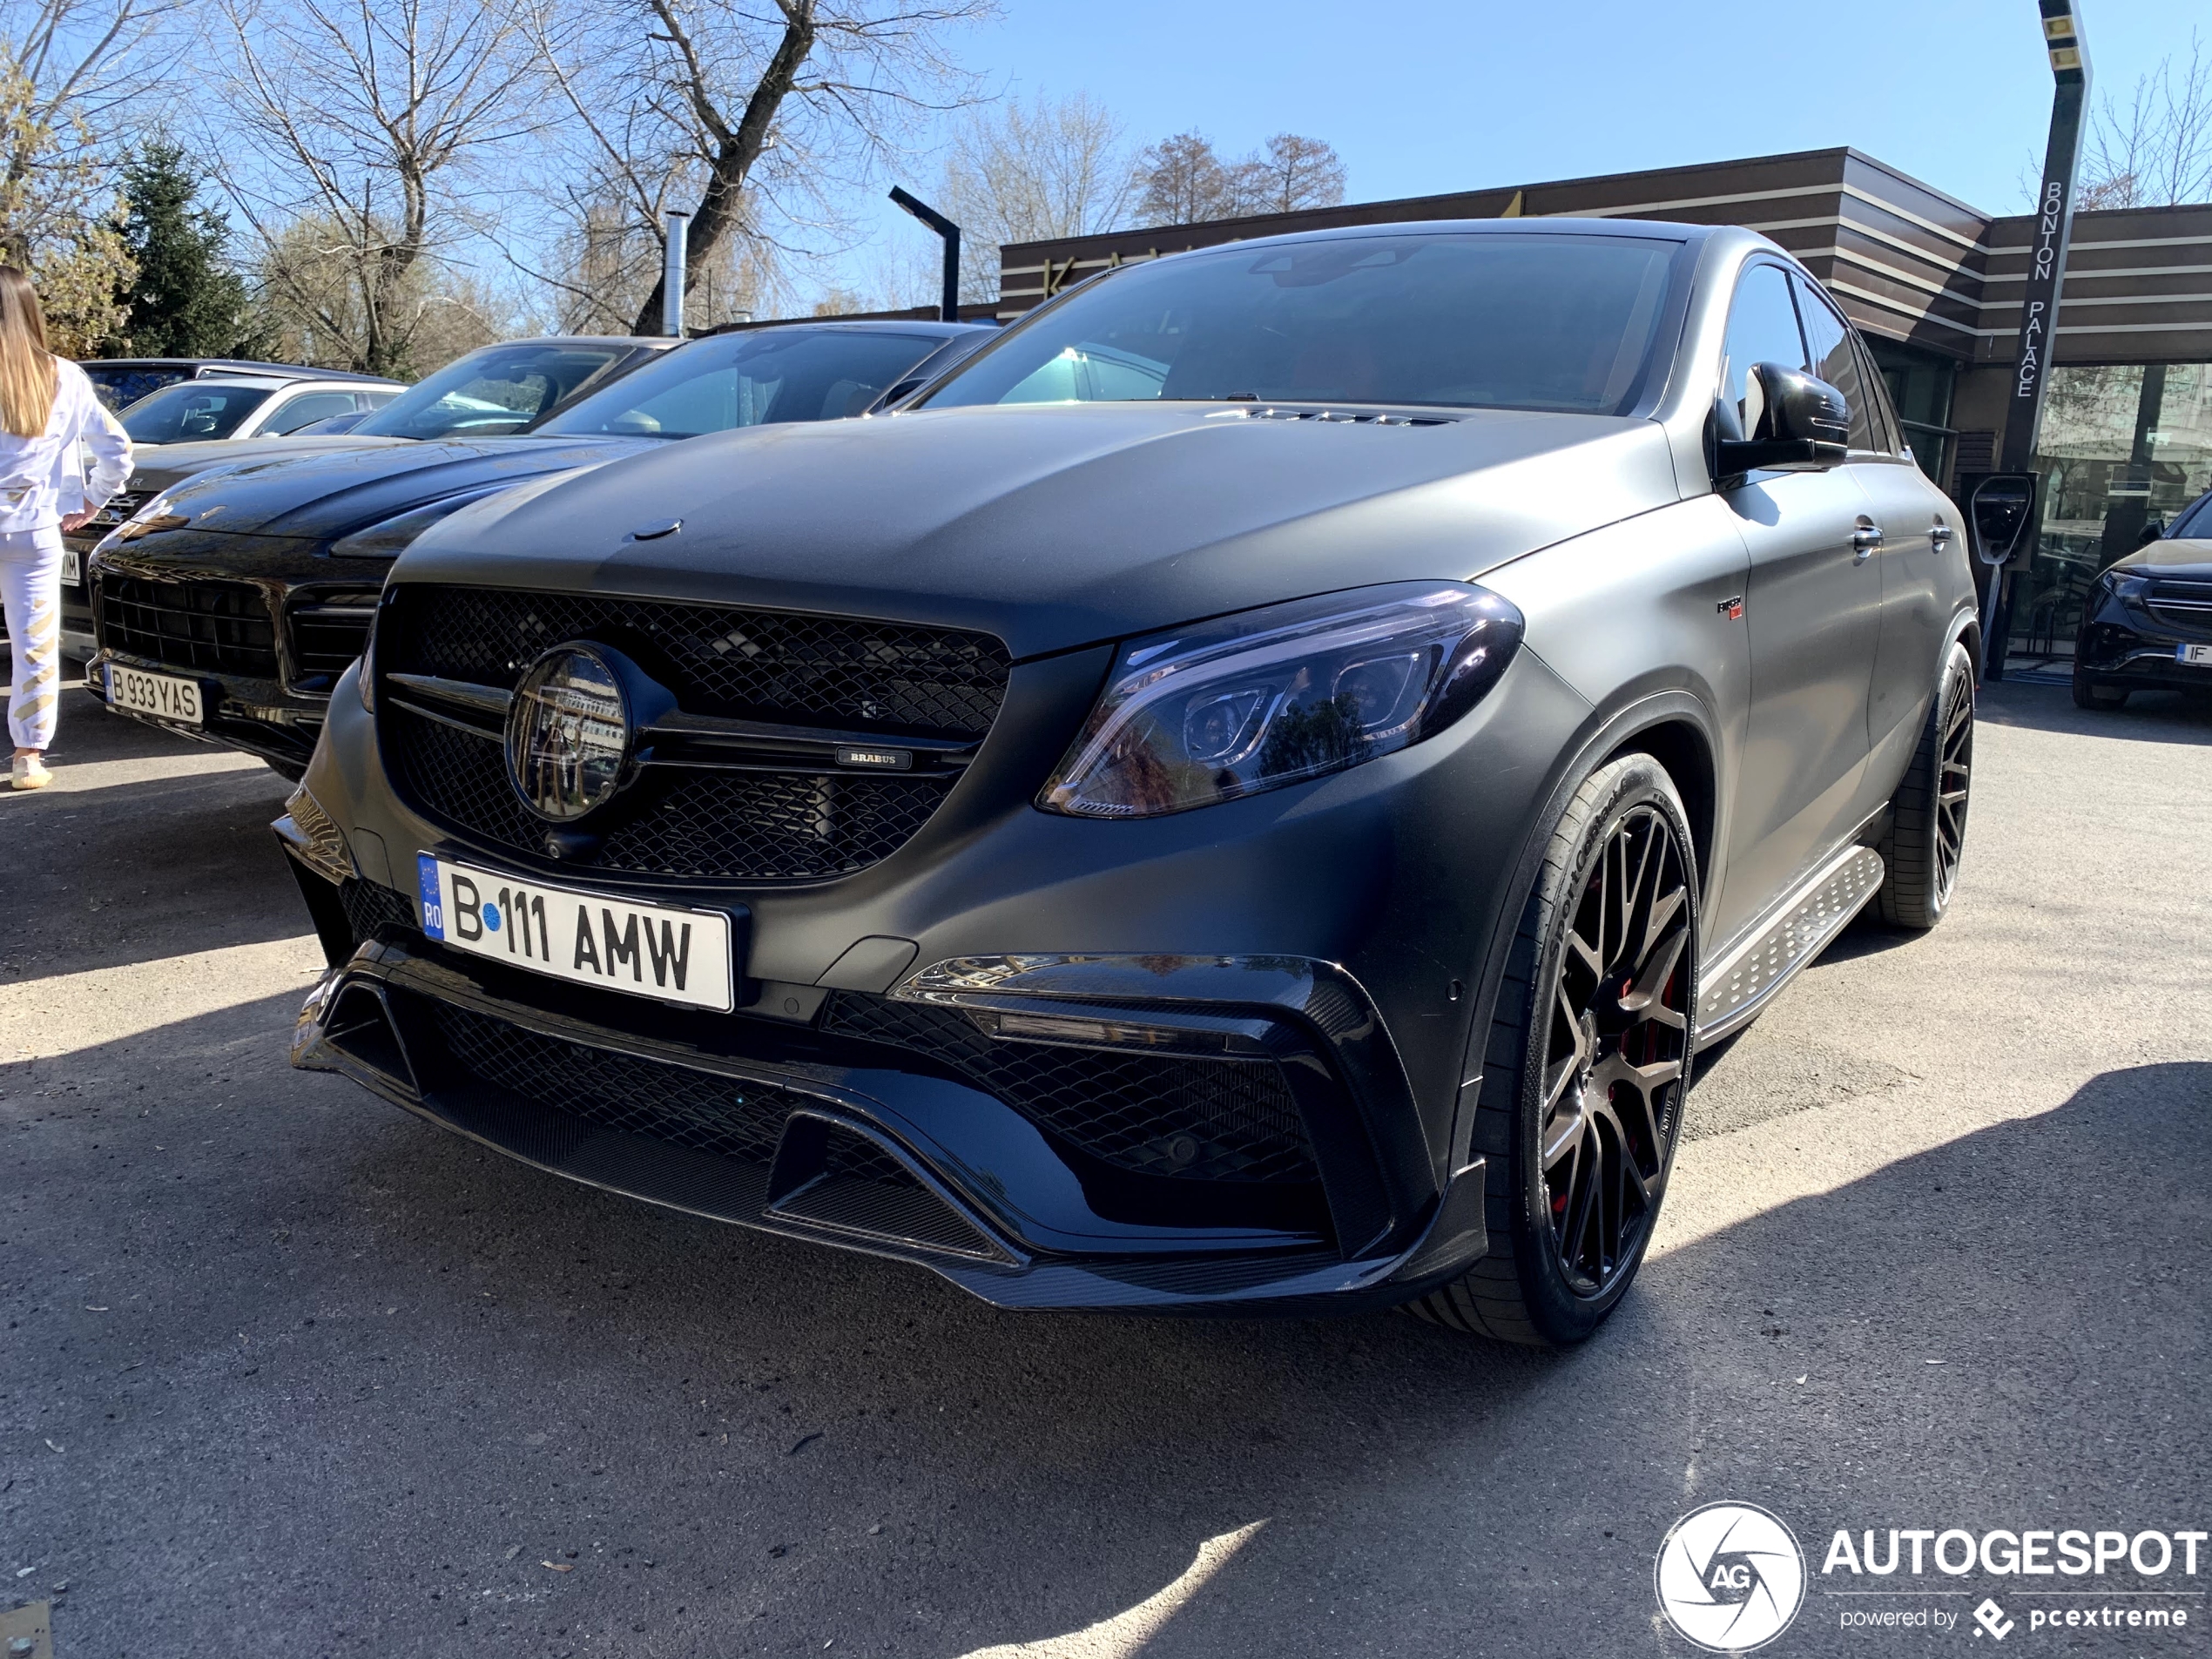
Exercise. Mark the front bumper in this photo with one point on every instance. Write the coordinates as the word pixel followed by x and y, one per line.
pixel 257 715
pixel 1337 937
pixel 2124 646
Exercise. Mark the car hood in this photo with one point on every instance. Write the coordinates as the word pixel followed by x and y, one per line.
pixel 1056 526
pixel 157 466
pixel 2183 557
pixel 347 486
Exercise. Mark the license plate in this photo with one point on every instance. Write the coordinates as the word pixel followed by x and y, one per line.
pixel 2196 655
pixel 159 695
pixel 72 568
pixel 661 951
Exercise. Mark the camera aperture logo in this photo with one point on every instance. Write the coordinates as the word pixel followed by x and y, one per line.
pixel 1729 1577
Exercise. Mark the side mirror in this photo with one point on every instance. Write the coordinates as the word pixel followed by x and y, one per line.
pixel 1793 423
pixel 2151 533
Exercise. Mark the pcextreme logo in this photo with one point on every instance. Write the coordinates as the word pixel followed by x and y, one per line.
pixel 1729 1577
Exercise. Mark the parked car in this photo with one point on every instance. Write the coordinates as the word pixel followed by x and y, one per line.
pixel 121 381
pixel 495 389
pixel 228 606
pixel 238 407
pixel 2147 622
pixel 1247 793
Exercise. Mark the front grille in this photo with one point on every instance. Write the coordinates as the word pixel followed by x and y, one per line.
pixel 370 906
pixel 216 627
pixel 651 1098
pixel 1201 1120
pixel 828 672
pixel 2183 603
pixel 328 631
pixel 717 659
pixel 679 821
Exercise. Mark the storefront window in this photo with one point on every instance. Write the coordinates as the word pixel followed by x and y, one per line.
pixel 2122 449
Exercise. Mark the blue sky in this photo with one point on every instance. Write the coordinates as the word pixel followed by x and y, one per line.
pixel 1420 96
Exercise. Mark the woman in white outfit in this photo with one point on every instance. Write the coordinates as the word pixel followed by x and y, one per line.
pixel 47 408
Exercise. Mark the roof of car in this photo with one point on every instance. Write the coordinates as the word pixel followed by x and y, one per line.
pixel 915 327
pixel 226 366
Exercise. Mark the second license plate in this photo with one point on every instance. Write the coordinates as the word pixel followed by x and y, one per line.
pixel 2196 656
pixel 661 951
pixel 160 695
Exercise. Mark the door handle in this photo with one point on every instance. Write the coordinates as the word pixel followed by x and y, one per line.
pixel 1865 541
pixel 1939 536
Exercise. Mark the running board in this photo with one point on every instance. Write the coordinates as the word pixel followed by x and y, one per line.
pixel 1732 992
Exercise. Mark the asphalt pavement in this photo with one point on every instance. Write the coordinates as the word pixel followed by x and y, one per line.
pixel 286 1372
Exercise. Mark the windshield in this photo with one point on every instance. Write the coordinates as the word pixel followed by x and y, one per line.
pixel 191 410
pixel 1494 319
pixel 120 387
pixel 751 379
pixel 493 392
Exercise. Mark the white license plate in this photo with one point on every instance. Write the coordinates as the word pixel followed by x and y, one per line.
pixel 159 695
pixel 2196 656
pixel 72 567
pixel 660 951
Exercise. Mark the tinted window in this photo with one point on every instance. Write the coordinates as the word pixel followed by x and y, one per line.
pixel 191 410
pixel 1509 320
pixel 1761 328
pixel 120 387
pixel 752 379
pixel 492 392
pixel 1835 361
pixel 316 406
pixel 2195 522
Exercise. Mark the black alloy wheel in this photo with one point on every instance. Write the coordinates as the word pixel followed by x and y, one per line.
pixel 1926 838
pixel 1613 1063
pixel 1590 1049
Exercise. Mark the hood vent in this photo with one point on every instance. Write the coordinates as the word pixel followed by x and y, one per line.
pixel 1333 417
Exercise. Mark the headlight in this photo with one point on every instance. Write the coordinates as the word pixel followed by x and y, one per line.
pixel 2127 584
pixel 392 538
pixel 1269 697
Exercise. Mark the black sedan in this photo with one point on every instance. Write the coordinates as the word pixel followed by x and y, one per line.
pixel 1247 793
pixel 227 607
pixel 2146 624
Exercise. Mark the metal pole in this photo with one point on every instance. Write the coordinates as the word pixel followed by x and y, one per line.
pixel 949 305
pixel 672 274
pixel 2069 53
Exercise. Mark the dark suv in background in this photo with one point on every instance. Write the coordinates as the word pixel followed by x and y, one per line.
pixel 2146 624
pixel 228 606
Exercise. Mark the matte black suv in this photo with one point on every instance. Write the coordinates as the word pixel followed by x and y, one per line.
pixel 1248 793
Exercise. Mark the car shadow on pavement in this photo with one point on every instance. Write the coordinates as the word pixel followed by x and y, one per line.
pixel 381 1377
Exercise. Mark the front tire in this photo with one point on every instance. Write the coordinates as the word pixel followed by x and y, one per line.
pixel 1927 833
pixel 1588 1057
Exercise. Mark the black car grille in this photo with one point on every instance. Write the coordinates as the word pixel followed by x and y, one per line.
pixel 2183 603
pixel 1197 1119
pixel 748 664
pixel 679 821
pixel 757 824
pixel 702 1110
pixel 371 906
pixel 216 627
pixel 327 632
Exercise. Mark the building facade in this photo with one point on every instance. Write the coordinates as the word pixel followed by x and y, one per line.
pixel 1935 286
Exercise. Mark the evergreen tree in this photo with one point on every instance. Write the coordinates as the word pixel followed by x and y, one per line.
pixel 185 300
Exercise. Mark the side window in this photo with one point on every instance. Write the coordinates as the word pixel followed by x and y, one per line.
pixel 1889 435
pixel 1761 328
pixel 1835 361
pixel 313 406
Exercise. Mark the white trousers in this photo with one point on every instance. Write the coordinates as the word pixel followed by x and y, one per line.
pixel 30 583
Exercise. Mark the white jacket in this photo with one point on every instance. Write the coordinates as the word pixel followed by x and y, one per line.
pixel 41 479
